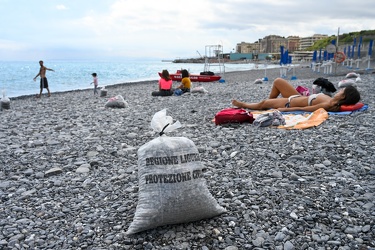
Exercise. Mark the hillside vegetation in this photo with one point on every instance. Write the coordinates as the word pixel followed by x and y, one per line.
pixel 344 39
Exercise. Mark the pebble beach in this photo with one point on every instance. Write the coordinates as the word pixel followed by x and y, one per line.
pixel 68 170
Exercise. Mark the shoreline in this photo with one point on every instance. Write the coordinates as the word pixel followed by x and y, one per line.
pixel 272 73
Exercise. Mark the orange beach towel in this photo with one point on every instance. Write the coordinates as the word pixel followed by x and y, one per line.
pixel 305 121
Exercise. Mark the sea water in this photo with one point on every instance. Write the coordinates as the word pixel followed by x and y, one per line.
pixel 16 77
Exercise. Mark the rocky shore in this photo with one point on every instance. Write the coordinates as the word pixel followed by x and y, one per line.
pixel 68 171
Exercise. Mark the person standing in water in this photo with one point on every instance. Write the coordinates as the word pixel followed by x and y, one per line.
pixel 43 79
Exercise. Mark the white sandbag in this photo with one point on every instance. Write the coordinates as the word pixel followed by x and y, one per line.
pixel 352 75
pixel 103 92
pixel 346 82
pixel 4 102
pixel 172 188
pixel 116 102
pixel 258 81
pixel 199 89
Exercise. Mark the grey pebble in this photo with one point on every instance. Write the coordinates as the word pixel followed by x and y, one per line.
pixel 69 174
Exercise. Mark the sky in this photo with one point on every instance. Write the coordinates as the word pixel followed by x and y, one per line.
pixel 164 29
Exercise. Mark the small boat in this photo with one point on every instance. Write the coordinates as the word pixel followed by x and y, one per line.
pixel 202 77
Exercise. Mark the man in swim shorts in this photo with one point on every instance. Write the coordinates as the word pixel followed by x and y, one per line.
pixel 43 79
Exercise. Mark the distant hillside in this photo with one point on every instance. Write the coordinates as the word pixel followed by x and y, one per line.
pixel 345 39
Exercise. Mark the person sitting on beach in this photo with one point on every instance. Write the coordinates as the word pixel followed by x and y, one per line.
pixel 291 100
pixel 185 81
pixel 165 85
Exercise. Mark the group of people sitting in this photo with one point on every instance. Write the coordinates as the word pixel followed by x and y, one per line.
pixel 290 100
pixel 165 84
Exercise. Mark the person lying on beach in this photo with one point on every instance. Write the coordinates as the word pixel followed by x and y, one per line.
pixel 291 100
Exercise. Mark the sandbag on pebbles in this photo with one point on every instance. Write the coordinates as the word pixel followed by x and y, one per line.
pixel 4 102
pixel 103 92
pixel 172 188
pixel 352 75
pixel 116 102
pixel 258 81
pixel 346 82
pixel 199 89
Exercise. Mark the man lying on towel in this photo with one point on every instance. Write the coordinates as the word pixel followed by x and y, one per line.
pixel 291 100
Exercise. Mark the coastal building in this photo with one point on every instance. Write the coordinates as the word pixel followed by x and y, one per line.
pixel 244 47
pixel 293 43
pixel 269 46
pixel 306 42
pixel 272 43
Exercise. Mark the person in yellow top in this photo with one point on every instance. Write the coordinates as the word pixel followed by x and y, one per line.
pixel 185 81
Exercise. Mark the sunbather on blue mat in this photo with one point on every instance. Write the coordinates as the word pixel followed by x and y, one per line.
pixel 291 100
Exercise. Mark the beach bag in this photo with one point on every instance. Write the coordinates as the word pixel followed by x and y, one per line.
pixel 207 73
pixel 178 92
pixel 116 102
pixel 326 86
pixel 274 118
pixel 303 90
pixel 103 92
pixel 172 188
pixel 4 102
pixel 233 115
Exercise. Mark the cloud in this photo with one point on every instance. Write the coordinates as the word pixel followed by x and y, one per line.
pixel 142 28
pixel 61 7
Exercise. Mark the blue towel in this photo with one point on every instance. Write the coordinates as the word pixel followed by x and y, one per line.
pixel 365 107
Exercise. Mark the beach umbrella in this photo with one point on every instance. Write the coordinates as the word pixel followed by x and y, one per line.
pixel 325 55
pixel 349 52
pixel 354 41
pixel 370 47
pixel 281 54
pixel 320 55
pixel 359 47
pixel 331 55
pixel 369 53
pixel 290 59
pixel 285 58
pixel 352 56
pixel 345 50
pixel 314 56
pixel 359 50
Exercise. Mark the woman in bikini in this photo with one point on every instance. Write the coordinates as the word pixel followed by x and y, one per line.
pixel 291 100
